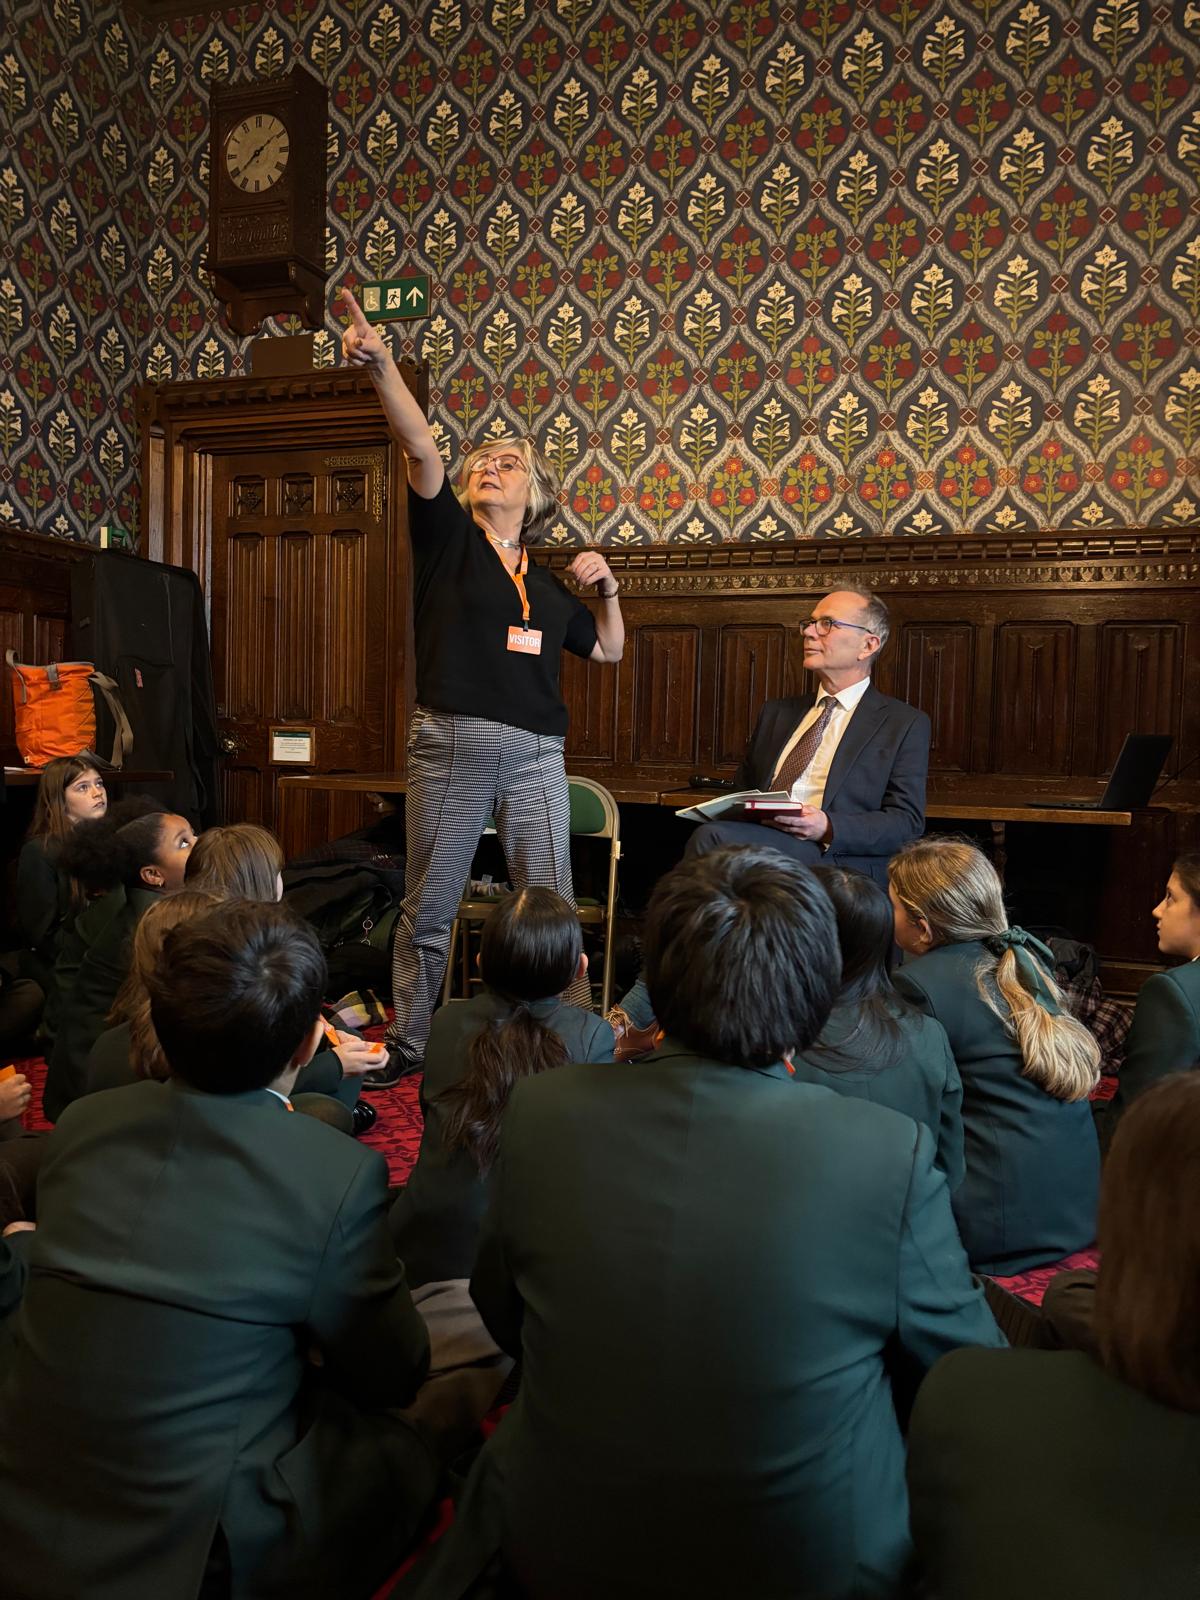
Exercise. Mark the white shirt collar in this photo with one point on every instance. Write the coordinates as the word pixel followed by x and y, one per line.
pixel 847 698
pixel 279 1096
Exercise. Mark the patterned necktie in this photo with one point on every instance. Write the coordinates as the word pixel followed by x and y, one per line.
pixel 799 757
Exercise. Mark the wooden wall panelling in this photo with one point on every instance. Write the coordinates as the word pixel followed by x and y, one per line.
pixel 1034 693
pixel 590 692
pixel 310 589
pixel 751 669
pixel 666 661
pixel 1141 682
pixel 300 624
pixel 356 605
pixel 932 665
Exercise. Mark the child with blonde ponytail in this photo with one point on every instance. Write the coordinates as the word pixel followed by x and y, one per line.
pixel 1027 1066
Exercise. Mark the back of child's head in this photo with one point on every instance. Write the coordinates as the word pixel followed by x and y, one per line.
pixel 234 994
pixel 132 1004
pixel 113 849
pixel 530 945
pixel 243 861
pixel 529 951
pixel 742 956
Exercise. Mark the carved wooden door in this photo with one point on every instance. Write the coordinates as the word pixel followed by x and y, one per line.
pixel 300 595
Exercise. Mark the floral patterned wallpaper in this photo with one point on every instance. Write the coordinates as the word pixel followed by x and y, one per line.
pixel 763 270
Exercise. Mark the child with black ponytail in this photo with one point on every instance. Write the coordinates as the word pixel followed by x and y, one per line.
pixel 531 951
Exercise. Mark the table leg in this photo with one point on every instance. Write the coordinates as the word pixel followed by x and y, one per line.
pixel 999 847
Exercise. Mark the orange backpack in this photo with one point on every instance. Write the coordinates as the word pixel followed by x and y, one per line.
pixel 55 711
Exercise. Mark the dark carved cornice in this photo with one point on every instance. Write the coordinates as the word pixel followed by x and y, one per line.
pixel 17 544
pixel 1123 558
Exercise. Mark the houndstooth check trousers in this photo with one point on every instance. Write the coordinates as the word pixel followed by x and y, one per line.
pixel 461 771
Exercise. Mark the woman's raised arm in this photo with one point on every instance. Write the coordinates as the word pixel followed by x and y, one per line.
pixel 364 346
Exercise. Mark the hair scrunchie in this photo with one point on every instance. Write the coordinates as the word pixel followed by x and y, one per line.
pixel 1029 953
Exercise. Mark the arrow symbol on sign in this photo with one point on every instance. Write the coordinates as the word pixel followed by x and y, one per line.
pixel 414 297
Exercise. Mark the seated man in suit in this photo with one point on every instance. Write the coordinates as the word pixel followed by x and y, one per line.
pixel 856 758
pixel 213 1315
pixel 706 1268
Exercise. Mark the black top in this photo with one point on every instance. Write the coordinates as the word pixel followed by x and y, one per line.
pixel 463 603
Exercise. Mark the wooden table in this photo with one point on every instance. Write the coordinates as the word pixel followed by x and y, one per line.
pixel 627 793
pixel 647 792
pixel 997 816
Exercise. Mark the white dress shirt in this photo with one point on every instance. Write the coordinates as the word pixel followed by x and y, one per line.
pixel 809 787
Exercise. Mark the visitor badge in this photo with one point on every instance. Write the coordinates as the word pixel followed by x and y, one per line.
pixel 526 641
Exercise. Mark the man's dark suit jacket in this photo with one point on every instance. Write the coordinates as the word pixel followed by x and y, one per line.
pixel 875 793
pixel 157 1389
pixel 1038 1474
pixel 436 1216
pixel 1032 1182
pixel 701 1266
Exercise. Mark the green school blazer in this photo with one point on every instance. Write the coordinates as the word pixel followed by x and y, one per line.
pixel 1164 1036
pixel 436 1217
pixel 705 1270
pixel 1032 1162
pixel 1038 1474
pixel 91 968
pixel 191 1251
pixel 920 1079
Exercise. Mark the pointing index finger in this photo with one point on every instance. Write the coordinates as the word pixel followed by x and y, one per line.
pixel 360 323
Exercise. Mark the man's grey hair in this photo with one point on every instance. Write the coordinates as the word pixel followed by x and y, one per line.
pixel 875 613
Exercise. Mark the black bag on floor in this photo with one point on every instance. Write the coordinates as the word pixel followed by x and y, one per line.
pixel 353 908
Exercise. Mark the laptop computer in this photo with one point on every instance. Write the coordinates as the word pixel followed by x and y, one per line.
pixel 1131 781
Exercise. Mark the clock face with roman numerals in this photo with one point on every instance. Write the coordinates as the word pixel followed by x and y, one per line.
pixel 256 152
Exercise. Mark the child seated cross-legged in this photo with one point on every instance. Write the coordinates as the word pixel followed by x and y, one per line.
pixel 130 1051
pixel 1082 1466
pixel 125 861
pixel 214 1327
pixel 70 790
pixel 245 862
pixel 877 1046
pixel 531 951
pixel 1027 1066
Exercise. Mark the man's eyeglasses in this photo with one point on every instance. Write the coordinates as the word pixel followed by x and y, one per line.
pixel 501 464
pixel 824 625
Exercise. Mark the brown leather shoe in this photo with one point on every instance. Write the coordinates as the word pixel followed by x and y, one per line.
pixel 632 1043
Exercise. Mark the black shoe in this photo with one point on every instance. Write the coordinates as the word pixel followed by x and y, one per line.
pixel 363 1115
pixel 387 1077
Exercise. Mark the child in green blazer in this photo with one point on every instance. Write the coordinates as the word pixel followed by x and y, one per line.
pixel 1027 1066
pixel 1165 1034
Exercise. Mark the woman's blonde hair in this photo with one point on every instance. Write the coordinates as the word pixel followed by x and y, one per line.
pixel 132 1004
pixel 542 496
pixel 952 886
pixel 242 861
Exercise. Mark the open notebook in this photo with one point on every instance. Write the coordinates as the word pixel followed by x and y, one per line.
pixel 745 805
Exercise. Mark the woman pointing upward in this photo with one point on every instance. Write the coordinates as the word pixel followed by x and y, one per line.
pixel 487 734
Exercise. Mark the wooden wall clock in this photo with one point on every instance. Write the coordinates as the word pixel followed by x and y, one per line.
pixel 267 199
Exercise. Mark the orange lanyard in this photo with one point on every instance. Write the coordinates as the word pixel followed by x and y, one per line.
pixel 517 574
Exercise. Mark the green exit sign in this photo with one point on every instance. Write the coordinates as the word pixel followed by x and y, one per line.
pixel 395 297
